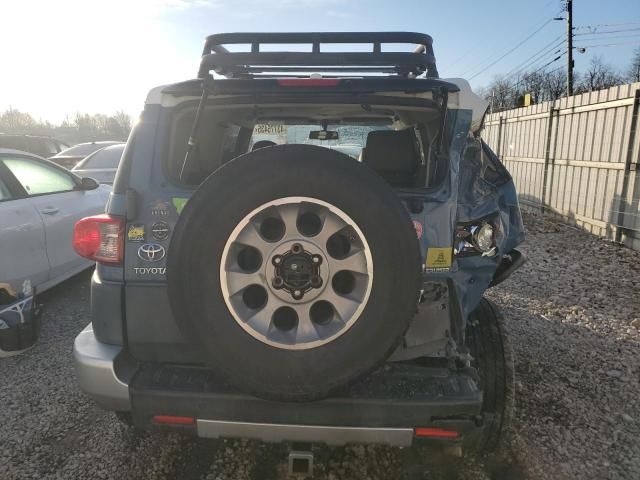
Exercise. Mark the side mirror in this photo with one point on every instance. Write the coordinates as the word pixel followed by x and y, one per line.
pixel 88 183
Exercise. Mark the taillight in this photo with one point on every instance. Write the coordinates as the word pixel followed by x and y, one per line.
pixel 173 420
pixel 100 238
pixel 426 432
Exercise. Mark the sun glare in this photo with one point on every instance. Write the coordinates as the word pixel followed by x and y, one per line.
pixel 87 56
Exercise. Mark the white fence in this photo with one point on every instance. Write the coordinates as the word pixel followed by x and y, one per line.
pixel 577 158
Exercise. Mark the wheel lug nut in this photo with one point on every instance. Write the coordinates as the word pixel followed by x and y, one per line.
pixel 297 294
pixel 276 259
pixel 277 282
pixel 296 248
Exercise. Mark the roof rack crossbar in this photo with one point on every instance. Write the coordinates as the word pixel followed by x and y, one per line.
pixel 218 58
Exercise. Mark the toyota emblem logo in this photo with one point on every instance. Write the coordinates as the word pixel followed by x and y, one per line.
pixel 151 252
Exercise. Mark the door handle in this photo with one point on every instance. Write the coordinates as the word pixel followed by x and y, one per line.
pixel 50 211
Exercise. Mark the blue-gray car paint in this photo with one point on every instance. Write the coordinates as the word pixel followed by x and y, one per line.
pixel 467 193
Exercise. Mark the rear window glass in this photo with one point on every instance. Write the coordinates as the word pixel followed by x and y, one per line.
pixel 227 132
pixel 217 144
pixel 106 158
pixel 84 149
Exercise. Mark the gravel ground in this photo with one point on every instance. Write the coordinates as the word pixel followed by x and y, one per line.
pixel 573 312
pixel 574 317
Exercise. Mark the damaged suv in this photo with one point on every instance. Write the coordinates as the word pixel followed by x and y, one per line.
pixel 254 280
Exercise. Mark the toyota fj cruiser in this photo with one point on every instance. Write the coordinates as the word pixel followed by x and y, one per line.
pixel 256 280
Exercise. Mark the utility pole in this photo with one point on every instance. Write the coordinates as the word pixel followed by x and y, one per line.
pixel 569 48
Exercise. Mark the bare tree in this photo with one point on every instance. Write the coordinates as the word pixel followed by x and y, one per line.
pixel 633 73
pixel 555 85
pixel 598 76
pixel 503 94
pixel 84 127
pixel 500 94
pixel 103 127
pixel 533 83
pixel 123 120
pixel 15 121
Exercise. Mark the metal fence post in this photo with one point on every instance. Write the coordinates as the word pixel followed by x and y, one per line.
pixel 547 158
pixel 627 167
pixel 499 149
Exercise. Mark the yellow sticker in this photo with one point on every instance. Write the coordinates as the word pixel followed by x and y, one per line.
pixel 439 258
pixel 135 232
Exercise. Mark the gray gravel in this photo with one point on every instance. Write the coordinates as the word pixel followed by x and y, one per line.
pixel 574 316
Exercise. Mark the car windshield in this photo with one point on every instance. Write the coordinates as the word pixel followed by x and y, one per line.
pixel 350 138
pixel 108 157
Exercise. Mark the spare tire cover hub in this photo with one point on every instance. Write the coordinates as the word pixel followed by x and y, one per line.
pixel 311 277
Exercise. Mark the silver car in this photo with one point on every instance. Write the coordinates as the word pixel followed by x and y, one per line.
pixel 70 157
pixel 101 165
pixel 39 204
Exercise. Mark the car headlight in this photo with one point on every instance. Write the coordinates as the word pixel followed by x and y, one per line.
pixel 476 238
pixel 483 238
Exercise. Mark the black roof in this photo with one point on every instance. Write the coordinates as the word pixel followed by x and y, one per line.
pixel 268 86
pixel 322 57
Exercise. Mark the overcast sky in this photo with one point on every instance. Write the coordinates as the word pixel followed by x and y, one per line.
pixel 58 57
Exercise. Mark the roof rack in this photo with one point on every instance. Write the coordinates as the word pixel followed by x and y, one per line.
pixel 260 63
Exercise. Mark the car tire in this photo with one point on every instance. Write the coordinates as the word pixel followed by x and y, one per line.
pixel 203 305
pixel 490 347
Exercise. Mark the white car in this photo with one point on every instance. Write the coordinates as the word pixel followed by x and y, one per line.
pixel 40 202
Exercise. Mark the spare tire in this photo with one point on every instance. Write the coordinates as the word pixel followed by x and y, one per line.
pixel 295 269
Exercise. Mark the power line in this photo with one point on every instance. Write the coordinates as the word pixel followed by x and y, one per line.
pixel 543 51
pixel 511 49
pixel 596 32
pixel 548 48
pixel 617 37
pixel 523 74
pixel 473 49
pixel 607 25
pixel 541 68
pixel 555 70
pixel 552 61
pixel 611 44
pixel 547 73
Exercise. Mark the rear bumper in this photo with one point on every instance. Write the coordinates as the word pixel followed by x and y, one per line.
pixel 383 408
pixel 277 432
pixel 95 370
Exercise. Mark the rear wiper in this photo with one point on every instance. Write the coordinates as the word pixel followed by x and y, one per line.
pixel 193 137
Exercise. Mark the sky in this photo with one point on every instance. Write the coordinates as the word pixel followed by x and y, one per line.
pixel 58 57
